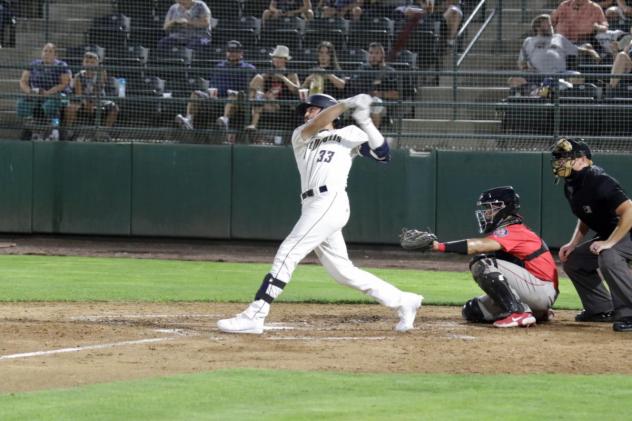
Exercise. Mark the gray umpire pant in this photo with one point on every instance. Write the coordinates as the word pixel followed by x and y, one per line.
pixel 581 267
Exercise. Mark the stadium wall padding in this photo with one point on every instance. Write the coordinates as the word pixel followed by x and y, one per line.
pixel 181 190
pixel 16 181
pixel 463 175
pixel 81 188
pixel 252 192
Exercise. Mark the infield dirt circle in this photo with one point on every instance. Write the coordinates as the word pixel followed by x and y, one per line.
pixel 50 345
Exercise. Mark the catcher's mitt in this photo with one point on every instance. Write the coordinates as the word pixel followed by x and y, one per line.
pixel 412 239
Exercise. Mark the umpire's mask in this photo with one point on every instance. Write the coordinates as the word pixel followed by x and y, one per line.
pixel 564 152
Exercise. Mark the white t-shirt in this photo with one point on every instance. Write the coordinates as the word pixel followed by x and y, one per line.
pixel 547 54
pixel 325 158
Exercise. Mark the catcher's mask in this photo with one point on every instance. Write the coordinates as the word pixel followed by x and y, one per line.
pixel 565 152
pixel 494 206
pixel 321 101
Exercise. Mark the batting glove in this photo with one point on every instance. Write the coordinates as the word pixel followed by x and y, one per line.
pixel 358 101
pixel 362 116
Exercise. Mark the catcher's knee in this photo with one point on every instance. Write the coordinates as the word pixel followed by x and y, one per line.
pixel 472 312
pixel 270 289
pixel 480 265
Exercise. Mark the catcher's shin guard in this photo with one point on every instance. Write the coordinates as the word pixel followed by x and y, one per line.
pixel 270 289
pixel 472 312
pixel 495 285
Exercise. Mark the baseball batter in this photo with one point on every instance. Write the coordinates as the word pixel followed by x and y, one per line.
pixel 324 156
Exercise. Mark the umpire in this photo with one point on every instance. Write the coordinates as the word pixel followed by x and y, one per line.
pixel 601 205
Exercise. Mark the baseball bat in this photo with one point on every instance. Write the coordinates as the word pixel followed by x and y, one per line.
pixel 403 36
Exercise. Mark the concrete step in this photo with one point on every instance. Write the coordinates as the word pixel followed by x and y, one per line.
pixel 69 24
pixel 80 10
pixel 477 103
pixel 428 144
pixel 450 126
pixel 38 39
pixel 9 86
pixel 463 94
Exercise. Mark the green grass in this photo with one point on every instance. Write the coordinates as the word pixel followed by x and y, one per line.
pixel 45 278
pixel 284 395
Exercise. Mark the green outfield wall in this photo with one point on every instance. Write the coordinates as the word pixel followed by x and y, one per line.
pixel 252 192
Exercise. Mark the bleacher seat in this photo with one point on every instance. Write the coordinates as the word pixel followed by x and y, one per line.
pixel 286 31
pixel 246 30
pixel 365 31
pixel 169 64
pixel 111 32
pixel 334 30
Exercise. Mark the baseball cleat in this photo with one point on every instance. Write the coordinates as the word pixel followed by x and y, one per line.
pixel 407 311
pixel 241 323
pixel 515 320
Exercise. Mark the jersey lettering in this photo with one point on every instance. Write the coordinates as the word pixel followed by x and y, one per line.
pixel 315 143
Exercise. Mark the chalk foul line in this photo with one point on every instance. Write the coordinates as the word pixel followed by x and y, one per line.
pixel 82 348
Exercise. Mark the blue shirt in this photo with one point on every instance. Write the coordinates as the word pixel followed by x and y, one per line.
pixel 231 76
pixel 45 76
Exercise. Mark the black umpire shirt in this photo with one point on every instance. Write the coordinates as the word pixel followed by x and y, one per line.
pixel 594 196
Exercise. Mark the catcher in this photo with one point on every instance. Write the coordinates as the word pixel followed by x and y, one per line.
pixel 515 270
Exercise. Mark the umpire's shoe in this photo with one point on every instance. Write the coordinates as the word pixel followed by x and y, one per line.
pixel 604 317
pixel 407 311
pixel 623 325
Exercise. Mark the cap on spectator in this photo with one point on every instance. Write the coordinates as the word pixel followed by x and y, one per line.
pixel 281 51
pixel 234 45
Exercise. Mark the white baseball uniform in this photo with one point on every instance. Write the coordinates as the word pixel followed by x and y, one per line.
pixel 324 161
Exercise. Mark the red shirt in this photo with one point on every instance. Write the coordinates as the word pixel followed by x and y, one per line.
pixel 576 22
pixel 520 241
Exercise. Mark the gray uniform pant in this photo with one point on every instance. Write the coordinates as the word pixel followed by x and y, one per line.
pixel 581 267
pixel 535 295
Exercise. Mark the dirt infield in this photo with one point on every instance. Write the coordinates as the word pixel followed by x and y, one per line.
pixel 51 345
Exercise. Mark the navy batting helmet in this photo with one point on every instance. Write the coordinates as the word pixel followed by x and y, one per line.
pixel 317 100
pixel 494 206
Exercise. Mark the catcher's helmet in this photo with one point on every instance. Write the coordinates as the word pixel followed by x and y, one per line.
pixel 317 100
pixel 564 152
pixel 494 206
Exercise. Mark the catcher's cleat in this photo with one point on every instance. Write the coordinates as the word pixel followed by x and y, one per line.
pixel 515 320
pixel 605 317
pixel 407 311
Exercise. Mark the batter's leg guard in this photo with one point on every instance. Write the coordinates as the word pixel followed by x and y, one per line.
pixel 270 289
pixel 489 278
pixel 472 312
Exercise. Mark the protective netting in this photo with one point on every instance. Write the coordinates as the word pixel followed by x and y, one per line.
pixel 443 72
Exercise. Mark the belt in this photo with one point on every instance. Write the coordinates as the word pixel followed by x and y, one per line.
pixel 312 192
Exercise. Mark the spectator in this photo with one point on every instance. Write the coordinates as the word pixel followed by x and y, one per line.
pixel 546 53
pixel 188 24
pixel 6 16
pixel 347 9
pixel 46 83
pixel 288 8
pixel 377 79
pixel 453 16
pixel 622 62
pixel 579 20
pixel 277 84
pixel 230 77
pixel 327 78
pixel 90 84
